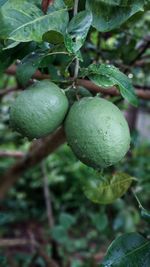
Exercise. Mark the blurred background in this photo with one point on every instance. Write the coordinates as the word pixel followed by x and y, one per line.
pixel 47 205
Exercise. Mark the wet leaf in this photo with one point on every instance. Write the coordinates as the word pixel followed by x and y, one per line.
pixel 128 250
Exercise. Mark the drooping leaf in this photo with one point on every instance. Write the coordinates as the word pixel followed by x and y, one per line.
pixel 128 250
pixel 110 14
pixel 77 31
pixel 108 75
pixel 23 21
pixel 28 66
pixel 106 189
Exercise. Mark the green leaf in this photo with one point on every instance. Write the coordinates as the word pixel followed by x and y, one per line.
pixel 106 189
pixel 53 37
pixel 23 21
pixel 128 250
pixel 77 31
pixel 145 214
pixel 66 220
pixel 59 234
pixel 69 3
pixel 100 221
pixel 28 66
pixel 108 75
pixel 110 14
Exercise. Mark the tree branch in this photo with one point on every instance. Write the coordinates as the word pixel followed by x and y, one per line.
pixel 41 149
pixel 47 196
pixel 143 94
pixel 7 242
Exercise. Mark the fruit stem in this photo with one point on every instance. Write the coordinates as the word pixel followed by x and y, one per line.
pixel 76 69
pixel 75 10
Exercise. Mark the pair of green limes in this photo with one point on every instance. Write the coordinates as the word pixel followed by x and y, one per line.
pixel 96 130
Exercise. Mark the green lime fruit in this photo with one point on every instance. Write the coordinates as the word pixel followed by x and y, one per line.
pixel 97 132
pixel 39 110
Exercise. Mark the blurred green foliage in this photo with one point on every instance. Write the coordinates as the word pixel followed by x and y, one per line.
pixel 82 229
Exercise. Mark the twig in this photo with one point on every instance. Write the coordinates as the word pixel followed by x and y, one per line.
pixel 23 242
pixel 112 91
pixel 75 9
pixel 47 196
pixel 41 149
pixel 38 75
pixel 146 45
pixel 76 69
pixel 8 90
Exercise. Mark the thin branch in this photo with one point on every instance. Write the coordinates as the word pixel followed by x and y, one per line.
pixel 41 149
pixel 143 49
pixel 75 9
pixel 8 90
pixel 38 75
pixel 76 69
pixel 47 196
pixel 112 91
pixel 23 242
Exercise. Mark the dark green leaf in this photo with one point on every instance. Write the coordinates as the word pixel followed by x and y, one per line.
pixel 145 214
pixel 108 75
pixel 77 31
pixel 110 14
pixel 128 250
pixel 28 66
pixel 106 189
pixel 23 21
pixel 53 37
pixel 100 221
pixel 59 234
pixel 66 220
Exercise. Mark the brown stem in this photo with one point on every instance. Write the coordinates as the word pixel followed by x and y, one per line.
pixel 8 90
pixel 23 242
pixel 143 94
pixel 42 148
pixel 47 196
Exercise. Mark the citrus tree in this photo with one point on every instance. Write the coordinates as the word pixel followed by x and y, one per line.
pixel 74 66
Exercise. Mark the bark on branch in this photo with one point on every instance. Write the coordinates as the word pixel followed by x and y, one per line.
pixel 40 149
pixel 143 94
